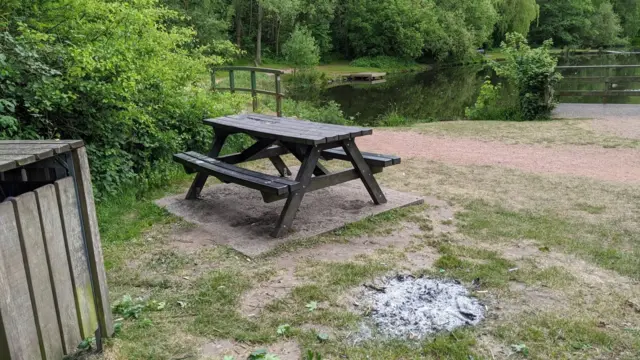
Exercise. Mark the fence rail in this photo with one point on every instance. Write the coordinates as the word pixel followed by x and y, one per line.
pixel 254 88
pixel 611 82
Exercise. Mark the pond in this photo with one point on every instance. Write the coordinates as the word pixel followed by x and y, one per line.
pixel 444 93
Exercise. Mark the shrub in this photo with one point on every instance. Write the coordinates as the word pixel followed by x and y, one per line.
pixel 329 113
pixel 301 50
pixel 306 85
pixel 492 104
pixel 384 62
pixel 533 73
pixel 110 73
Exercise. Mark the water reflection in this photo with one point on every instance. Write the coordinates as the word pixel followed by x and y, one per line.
pixel 444 93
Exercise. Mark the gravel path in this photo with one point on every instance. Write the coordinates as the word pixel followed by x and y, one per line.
pixel 617 119
pixel 618 165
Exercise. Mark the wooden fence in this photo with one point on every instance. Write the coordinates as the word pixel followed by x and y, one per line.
pixel 610 81
pixel 277 74
pixel 53 291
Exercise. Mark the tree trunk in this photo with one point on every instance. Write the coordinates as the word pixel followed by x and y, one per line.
pixel 238 24
pixel 277 38
pixel 259 37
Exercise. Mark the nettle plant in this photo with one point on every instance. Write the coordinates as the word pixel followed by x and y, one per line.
pixel 533 73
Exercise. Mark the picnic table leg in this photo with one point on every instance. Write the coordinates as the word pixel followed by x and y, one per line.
pixel 300 154
pixel 309 164
pixel 364 170
pixel 201 178
pixel 280 166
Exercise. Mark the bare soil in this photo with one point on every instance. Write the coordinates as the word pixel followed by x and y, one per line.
pixel 617 165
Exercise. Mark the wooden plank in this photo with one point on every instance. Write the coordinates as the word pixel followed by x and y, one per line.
pixel 305 124
pixel 266 153
pixel 92 238
pixel 609 93
pixel 224 174
pixel 370 183
pixel 18 333
pixel 40 288
pixel 6 165
pixel 19 160
pixel 40 154
pixel 265 177
pixel 262 133
pixel 77 257
pixel 249 68
pixel 372 159
pixel 599 67
pixel 323 181
pixel 74 144
pixel 58 267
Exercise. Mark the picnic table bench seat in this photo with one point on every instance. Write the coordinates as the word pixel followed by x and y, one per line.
pixel 373 160
pixel 237 175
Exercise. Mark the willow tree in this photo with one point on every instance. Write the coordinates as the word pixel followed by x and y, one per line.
pixel 516 16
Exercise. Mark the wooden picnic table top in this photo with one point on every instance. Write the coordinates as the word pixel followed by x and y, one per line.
pixel 16 153
pixel 287 129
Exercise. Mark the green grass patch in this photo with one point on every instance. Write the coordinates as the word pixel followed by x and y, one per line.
pixel 491 270
pixel 591 209
pixel 607 245
pixel 549 336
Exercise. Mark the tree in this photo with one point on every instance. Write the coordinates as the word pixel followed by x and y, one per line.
pixel 605 26
pixel 516 16
pixel 282 10
pixel 567 22
pixel 301 50
pixel 629 13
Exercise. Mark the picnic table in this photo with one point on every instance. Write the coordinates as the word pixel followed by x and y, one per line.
pixel 307 141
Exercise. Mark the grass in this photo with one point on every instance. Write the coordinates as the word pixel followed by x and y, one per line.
pixel 554 259
pixel 566 132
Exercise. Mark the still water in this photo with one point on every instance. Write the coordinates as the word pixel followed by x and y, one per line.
pixel 444 93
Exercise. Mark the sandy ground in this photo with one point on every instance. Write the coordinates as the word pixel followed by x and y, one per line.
pixel 618 165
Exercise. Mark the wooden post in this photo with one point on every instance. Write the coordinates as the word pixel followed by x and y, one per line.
pixel 92 238
pixel 213 80
pixel 278 96
pixel 254 94
pixel 232 81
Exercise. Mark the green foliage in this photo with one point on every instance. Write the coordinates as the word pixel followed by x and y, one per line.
pixel 577 23
pixel 533 74
pixel 490 104
pixel 306 85
pixel 113 74
pixel 329 113
pixel 301 50
pixel 384 62
pixel 516 16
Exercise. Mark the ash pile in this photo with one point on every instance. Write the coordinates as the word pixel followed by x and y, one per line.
pixel 405 307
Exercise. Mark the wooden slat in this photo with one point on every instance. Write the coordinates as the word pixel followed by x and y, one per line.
pixel 13 161
pixel 58 267
pixel 74 144
pixel 92 237
pixel 40 289
pixel 40 153
pixel 248 68
pixel 77 256
pixel 266 177
pixel 233 176
pixel 18 333
pixel 376 160
pixel 266 153
pixel 601 93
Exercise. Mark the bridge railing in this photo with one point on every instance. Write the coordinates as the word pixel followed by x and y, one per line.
pixel 277 74
pixel 613 84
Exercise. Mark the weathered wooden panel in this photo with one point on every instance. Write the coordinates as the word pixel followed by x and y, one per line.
pixel 58 267
pixel 38 273
pixel 77 256
pixel 18 334
pixel 92 235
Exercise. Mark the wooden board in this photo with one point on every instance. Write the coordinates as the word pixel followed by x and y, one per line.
pixel 92 237
pixel 77 256
pixel 40 288
pixel 18 334
pixel 52 233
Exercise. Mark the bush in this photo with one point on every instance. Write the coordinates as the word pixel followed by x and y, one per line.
pixel 384 62
pixel 301 50
pixel 491 104
pixel 533 74
pixel 329 113
pixel 110 73
pixel 306 85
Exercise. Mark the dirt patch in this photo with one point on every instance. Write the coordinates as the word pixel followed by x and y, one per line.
pixel 618 119
pixel 618 165
pixel 217 350
pixel 236 216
